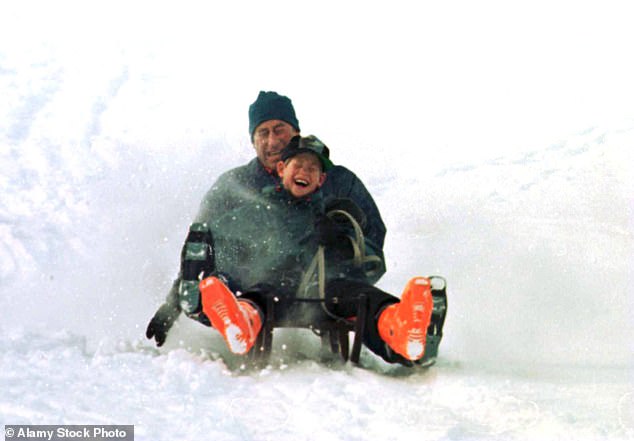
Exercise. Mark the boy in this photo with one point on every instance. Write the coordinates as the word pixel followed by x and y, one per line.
pixel 294 224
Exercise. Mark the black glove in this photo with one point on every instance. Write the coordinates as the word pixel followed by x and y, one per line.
pixel 161 323
pixel 329 232
pixel 348 206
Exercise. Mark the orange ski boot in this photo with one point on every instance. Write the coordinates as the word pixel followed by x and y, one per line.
pixel 403 325
pixel 238 321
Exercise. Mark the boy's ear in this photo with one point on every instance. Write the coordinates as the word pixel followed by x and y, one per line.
pixel 322 179
pixel 280 169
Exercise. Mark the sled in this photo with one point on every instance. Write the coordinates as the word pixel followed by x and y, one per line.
pixel 197 261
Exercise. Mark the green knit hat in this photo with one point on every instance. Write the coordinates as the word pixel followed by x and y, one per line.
pixel 268 106
pixel 308 144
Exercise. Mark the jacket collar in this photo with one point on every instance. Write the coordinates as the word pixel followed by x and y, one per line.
pixel 278 192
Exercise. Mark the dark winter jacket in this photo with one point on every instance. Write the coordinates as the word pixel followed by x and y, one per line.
pixel 272 242
pixel 261 242
pixel 243 185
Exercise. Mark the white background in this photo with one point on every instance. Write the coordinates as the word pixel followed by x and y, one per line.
pixel 496 138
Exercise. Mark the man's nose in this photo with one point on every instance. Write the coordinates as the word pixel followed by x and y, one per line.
pixel 272 138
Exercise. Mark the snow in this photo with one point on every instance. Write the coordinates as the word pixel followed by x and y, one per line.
pixel 110 136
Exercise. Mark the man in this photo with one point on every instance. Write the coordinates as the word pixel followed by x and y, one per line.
pixel 272 124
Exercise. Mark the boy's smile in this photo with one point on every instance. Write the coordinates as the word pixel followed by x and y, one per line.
pixel 302 182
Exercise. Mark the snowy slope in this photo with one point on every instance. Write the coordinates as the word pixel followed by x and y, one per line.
pixel 105 151
pixel 182 395
pixel 537 250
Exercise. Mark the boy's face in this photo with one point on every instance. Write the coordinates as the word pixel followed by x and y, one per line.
pixel 301 175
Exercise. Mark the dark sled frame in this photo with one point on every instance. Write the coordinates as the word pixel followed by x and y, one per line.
pixel 335 331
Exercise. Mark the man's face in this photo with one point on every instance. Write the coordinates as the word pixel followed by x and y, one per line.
pixel 269 139
pixel 301 175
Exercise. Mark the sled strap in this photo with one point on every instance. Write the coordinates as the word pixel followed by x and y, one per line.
pixel 317 266
pixel 369 264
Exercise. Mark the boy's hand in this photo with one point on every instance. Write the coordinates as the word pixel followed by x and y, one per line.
pixel 329 232
pixel 348 206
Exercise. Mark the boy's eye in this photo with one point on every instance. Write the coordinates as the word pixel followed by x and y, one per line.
pixel 307 168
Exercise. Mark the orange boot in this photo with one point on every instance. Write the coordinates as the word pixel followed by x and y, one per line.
pixel 238 321
pixel 403 325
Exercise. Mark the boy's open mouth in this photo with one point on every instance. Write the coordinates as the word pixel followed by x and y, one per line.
pixel 301 182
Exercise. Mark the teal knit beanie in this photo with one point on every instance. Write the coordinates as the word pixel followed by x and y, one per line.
pixel 268 106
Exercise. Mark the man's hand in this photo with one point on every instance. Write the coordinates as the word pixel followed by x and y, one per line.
pixel 161 323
